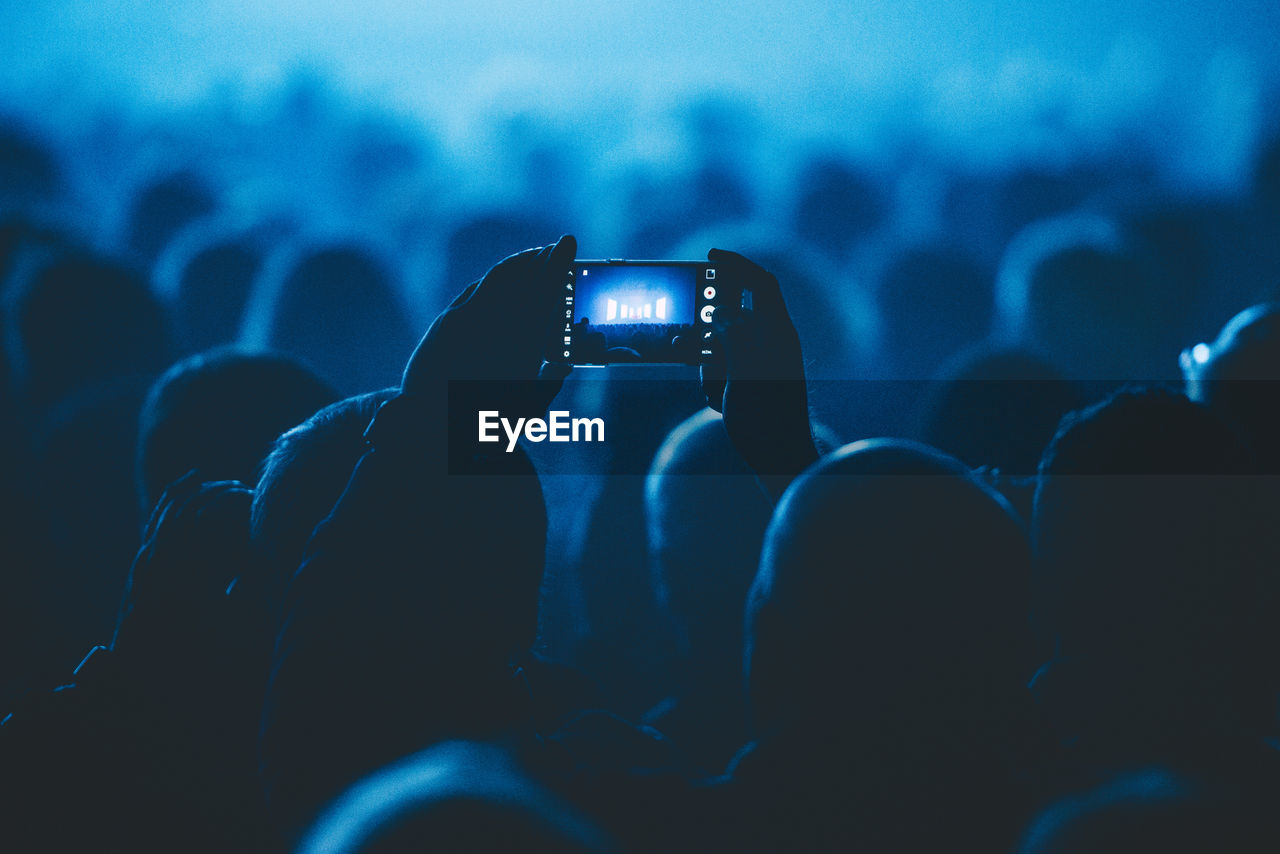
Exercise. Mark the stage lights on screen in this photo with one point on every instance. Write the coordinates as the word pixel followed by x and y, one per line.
pixel 621 312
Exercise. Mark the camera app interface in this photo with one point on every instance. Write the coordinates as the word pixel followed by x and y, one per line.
pixel 637 312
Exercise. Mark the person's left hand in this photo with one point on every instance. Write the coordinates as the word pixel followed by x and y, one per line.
pixel 493 336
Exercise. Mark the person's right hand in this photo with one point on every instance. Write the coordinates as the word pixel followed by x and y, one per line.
pixel 756 377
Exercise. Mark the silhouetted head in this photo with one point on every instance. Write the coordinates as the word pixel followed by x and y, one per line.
pixel 706 518
pixel 303 476
pixel 1238 377
pixel 932 302
pixel 206 275
pixel 1036 191
pixel 79 321
pixel 29 170
pixel 484 538
pixel 212 293
pixel 218 413
pixel 838 205
pixel 1076 289
pixel 1153 810
pixel 26 244
pixel 1152 549
pixel 417 593
pixel 892 592
pixel 160 209
pixel 998 408
pixel 336 308
pixel 706 515
pixel 668 207
pixel 1177 242
pixel 455 796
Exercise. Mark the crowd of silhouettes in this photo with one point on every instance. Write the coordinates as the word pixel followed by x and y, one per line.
pixel 968 542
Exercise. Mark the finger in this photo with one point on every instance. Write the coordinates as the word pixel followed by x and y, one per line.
pixel 532 303
pixel 766 293
pixel 727 258
pixel 563 251
pixel 540 298
pixel 557 256
pixel 557 264
pixel 465 296
pixel 506 279
pixel 532 278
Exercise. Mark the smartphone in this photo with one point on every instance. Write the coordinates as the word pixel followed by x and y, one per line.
pixel 641 312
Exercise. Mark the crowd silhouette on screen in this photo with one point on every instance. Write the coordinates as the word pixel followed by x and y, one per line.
pixel 964 543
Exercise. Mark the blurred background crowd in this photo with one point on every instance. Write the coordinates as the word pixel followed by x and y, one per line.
pixel 1061 201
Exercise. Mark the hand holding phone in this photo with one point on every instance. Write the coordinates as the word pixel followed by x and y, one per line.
pixel 493 330
pixel 755 376
pixel 485 352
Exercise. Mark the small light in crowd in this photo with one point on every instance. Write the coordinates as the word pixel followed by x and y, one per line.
pixel 1200 353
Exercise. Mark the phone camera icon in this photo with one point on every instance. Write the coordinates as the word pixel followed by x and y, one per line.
pixel 708 293
pixel 707 312
pixel 711 272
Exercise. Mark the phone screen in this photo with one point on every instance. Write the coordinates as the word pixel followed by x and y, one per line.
pixel 638 311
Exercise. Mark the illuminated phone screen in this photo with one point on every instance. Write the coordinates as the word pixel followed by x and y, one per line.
pixel 638 311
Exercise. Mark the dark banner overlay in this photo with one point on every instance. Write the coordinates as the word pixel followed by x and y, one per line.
pixel 614 420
